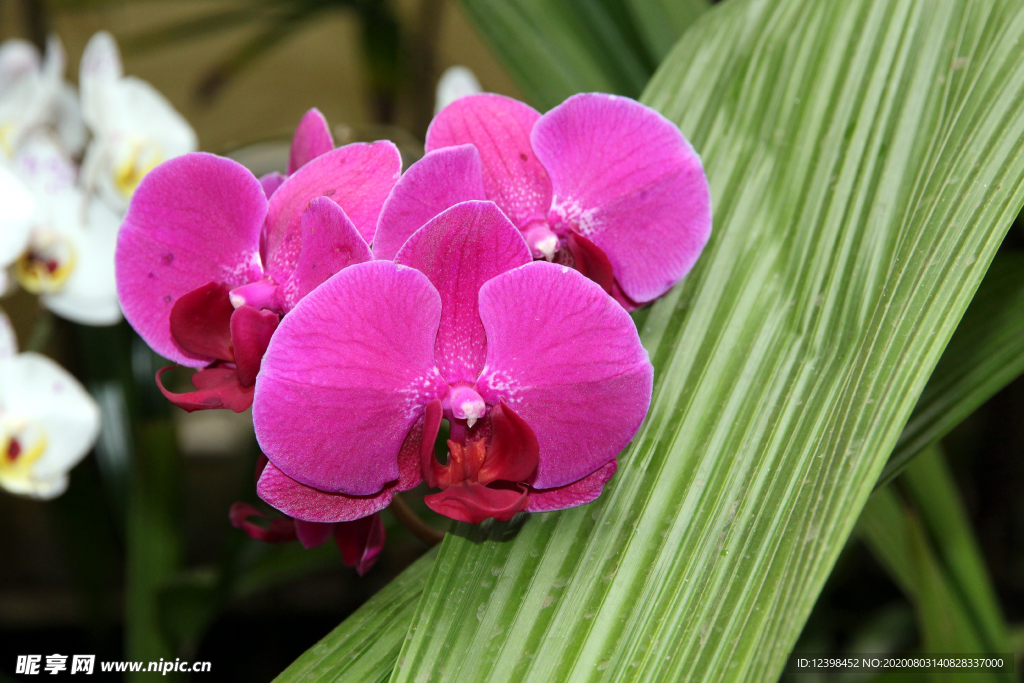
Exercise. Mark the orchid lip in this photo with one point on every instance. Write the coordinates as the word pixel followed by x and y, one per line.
pixel 467 404
pixel 259 295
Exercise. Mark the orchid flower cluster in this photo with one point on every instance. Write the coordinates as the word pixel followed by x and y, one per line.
pixel 356 308
pixel 58 219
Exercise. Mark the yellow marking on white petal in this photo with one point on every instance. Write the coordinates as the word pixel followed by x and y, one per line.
pixel 20 447
pixel 7 139
pixel 46 266
pixel 133 168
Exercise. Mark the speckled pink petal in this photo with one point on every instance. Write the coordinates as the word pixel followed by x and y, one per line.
pixel 626 178
pixel 500 128
pixel 312 505
pixel 581 492
pixel 567 359
pixel 357 177
pixel 312 138
pixel 193 220
pixel 459 251
pixel 271 181
pixel 329 243
pixel 346 377
pixel 439 180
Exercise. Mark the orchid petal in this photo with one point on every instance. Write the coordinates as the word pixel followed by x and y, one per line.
pixel 19 206
pixel 312 138
pixel 473 503
pixel 89 296
pixel 201 322
pixel 581 492
pixel 330 242
pixel 37 391
pixel 360 542
pixel 359 346
pixel 459 251
pixel 625 177
pixel 194 219
pixel 250 334
pixel 568 360
pixel 500 128
pixel 455 83
pixel 313 534
pixel 8 341
pixel 357 177
pixel 216 388
pixel 18 59
pixel 313 505
pixel 271 181
pixel 278 530
pixel 439 180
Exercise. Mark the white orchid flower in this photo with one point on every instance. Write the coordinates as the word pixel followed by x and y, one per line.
pixel 34 96
pixel 69 261
pixel 134 127
pixel 455 82
pixel 48 422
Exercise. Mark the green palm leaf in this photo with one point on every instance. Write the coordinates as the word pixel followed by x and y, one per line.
pixel 985 354
pixel 864 162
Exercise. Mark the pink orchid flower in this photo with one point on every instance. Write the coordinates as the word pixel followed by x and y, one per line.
pixel 600 183
pixel 539 372
pixel 359 541
pixel 207 263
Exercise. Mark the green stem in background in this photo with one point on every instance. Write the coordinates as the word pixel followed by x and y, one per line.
pixel 138 458
pixel 152 538
pixel 42 331
pixel 407 518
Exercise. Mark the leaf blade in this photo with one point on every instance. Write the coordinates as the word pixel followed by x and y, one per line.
pixel 810 327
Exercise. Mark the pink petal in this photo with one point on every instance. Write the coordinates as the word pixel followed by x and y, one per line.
pixel 216 388
pixel 500 128
pixel 439 180
pixel 347 375
pixel 278 530
pixel 329 243
pixel 473 503
pixel 271 181
pixel 313 505
pixel 360 542
pixel 201 322
pixel 357 177
pixel 193 220
pixel 626 178
pixel 567 359
pixel 313 534
pixel 306 503
pixel 312 138
pixel 250 334
pixel 459 251
pixel 581 492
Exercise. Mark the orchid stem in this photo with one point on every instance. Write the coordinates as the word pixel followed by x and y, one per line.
pixel 407 518
pixel 42 331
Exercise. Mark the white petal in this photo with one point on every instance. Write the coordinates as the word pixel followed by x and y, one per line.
pixel 35 389
pixel 18 59
pixel 17 207
pixel 45 167
pixel 456 82
pixel 99 69
pixel 89 296
pixel 8 341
